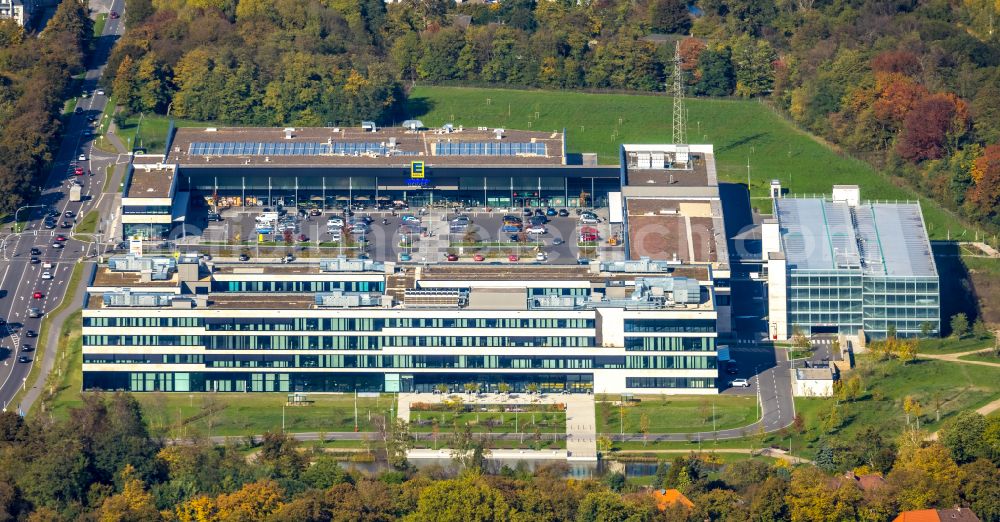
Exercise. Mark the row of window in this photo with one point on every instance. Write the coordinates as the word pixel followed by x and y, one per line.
pixel 669 325
pixel 311 342
pixel 145 209
pixel 415 361
pixel 297 286
pixel 145 322
pixel 670 344
pixel 669 382
pixel 331 324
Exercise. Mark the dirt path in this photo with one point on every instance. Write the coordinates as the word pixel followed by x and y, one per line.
pixel 954 357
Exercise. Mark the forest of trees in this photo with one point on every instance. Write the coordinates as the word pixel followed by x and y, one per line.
pixel 102 464
pixel 912 86
pixel 35 77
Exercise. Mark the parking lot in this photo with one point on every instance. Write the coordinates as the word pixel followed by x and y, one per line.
pixel 433 238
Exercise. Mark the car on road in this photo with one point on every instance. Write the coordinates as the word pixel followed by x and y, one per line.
pixel 27 348
pixel 411 220
pixel 35 260
pixel 78 171
pixel 100 92
pixel 30 333
pixel 452 257
pixel 49 225
pixel 114 16
pixel 557 241
pixel 315 212
pixel 34 313
pixel 60 237
pixel 583 261
pixel 57 245
pixel 244 257
pixel 46 275
pixel 214 216
pixel 67 224
pixel 540 256
pixel 68 213
pixel 37 295
pixel 405 257
pixel 289 258
pixel 739 383
pixel 479 257
pixel 527 212
pixel 23 359
pixel 36 252
pixel 513 258
pixel 82 157
pixel 78 110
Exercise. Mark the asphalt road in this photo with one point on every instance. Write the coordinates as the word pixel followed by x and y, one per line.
pixel 20 279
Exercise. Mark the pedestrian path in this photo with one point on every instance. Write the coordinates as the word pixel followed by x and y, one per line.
pixel 956 357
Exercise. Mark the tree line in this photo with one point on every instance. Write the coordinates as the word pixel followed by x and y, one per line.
pixel 36 73
pixel 102 463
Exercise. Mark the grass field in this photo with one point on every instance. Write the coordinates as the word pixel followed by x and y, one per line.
pixel 87 225
pixel 678 414
pixel 984 356
pixel 938 386
pixel 952 345
pixel 493 422
pixel 99 23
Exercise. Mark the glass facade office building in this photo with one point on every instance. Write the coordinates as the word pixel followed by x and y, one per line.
pixel 854 267
pixel 335 328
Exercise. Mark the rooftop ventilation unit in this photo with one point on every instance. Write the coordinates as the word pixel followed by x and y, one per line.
pixel 683 154
pixel 160 267
pixel 342 264
pixel 126 298
pixel 642 265
pixel 448 128
pixel 498 133
pixel 288 132
pixel 347 299
pixel 392 142
pixel 435 298
pixel 413 125
pixel 368 126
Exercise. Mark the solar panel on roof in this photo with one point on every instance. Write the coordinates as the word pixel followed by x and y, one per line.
pixel 299 148
pixel 477 148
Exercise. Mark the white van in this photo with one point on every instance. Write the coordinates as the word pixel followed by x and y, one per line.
pixel 47 266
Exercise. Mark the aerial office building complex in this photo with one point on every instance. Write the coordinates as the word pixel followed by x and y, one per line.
pixel 154 323
pixel 843 265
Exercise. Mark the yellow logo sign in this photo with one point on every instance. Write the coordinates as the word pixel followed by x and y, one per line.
pixel 416 170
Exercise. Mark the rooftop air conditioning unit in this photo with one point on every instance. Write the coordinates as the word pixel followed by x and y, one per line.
pixel 288 132
pixel 498 133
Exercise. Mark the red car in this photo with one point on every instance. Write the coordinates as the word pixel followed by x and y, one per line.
pixel 479 257
pixel 78 171
pixel 452 257
pixel 60 237
pixel 37 295
pixel 113 15
pixel 513 258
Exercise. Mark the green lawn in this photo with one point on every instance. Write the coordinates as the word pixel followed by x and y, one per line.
pixel 99 23
pixel 237 414
pixel 949 387
pixel 985 356
pixel 739 130
pixel 678 413
pixel 953 345
pixel 87 225
pixel 66 379
pixel 151 132
pixel 489 421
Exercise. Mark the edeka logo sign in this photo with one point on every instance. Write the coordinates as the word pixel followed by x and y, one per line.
pixel 416 170
pixel 417 174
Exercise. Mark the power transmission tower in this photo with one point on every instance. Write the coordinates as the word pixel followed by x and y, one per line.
pixel 680 115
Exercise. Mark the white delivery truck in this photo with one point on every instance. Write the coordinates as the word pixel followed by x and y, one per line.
pixel 75 193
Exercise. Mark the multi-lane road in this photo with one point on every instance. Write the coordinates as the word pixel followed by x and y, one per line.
pixel 21 285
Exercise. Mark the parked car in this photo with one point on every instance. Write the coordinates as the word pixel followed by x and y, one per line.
pixel 244 257
pixel 479 257
pixel 540 256
pixel 550 212
pixel 452 257
pixel 36 252
pixel 563 212
pixel 739 383
pixel 315 212
pixel 536 229
pixel 289 258
pixel 513 258
pixel 511 227
pixel 527 212
pixel 557 241
pixel 405 257
pixel 539 220
pixel 214 216
pixel 57 245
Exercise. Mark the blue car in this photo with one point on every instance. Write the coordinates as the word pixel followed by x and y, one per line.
pixel 511 228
